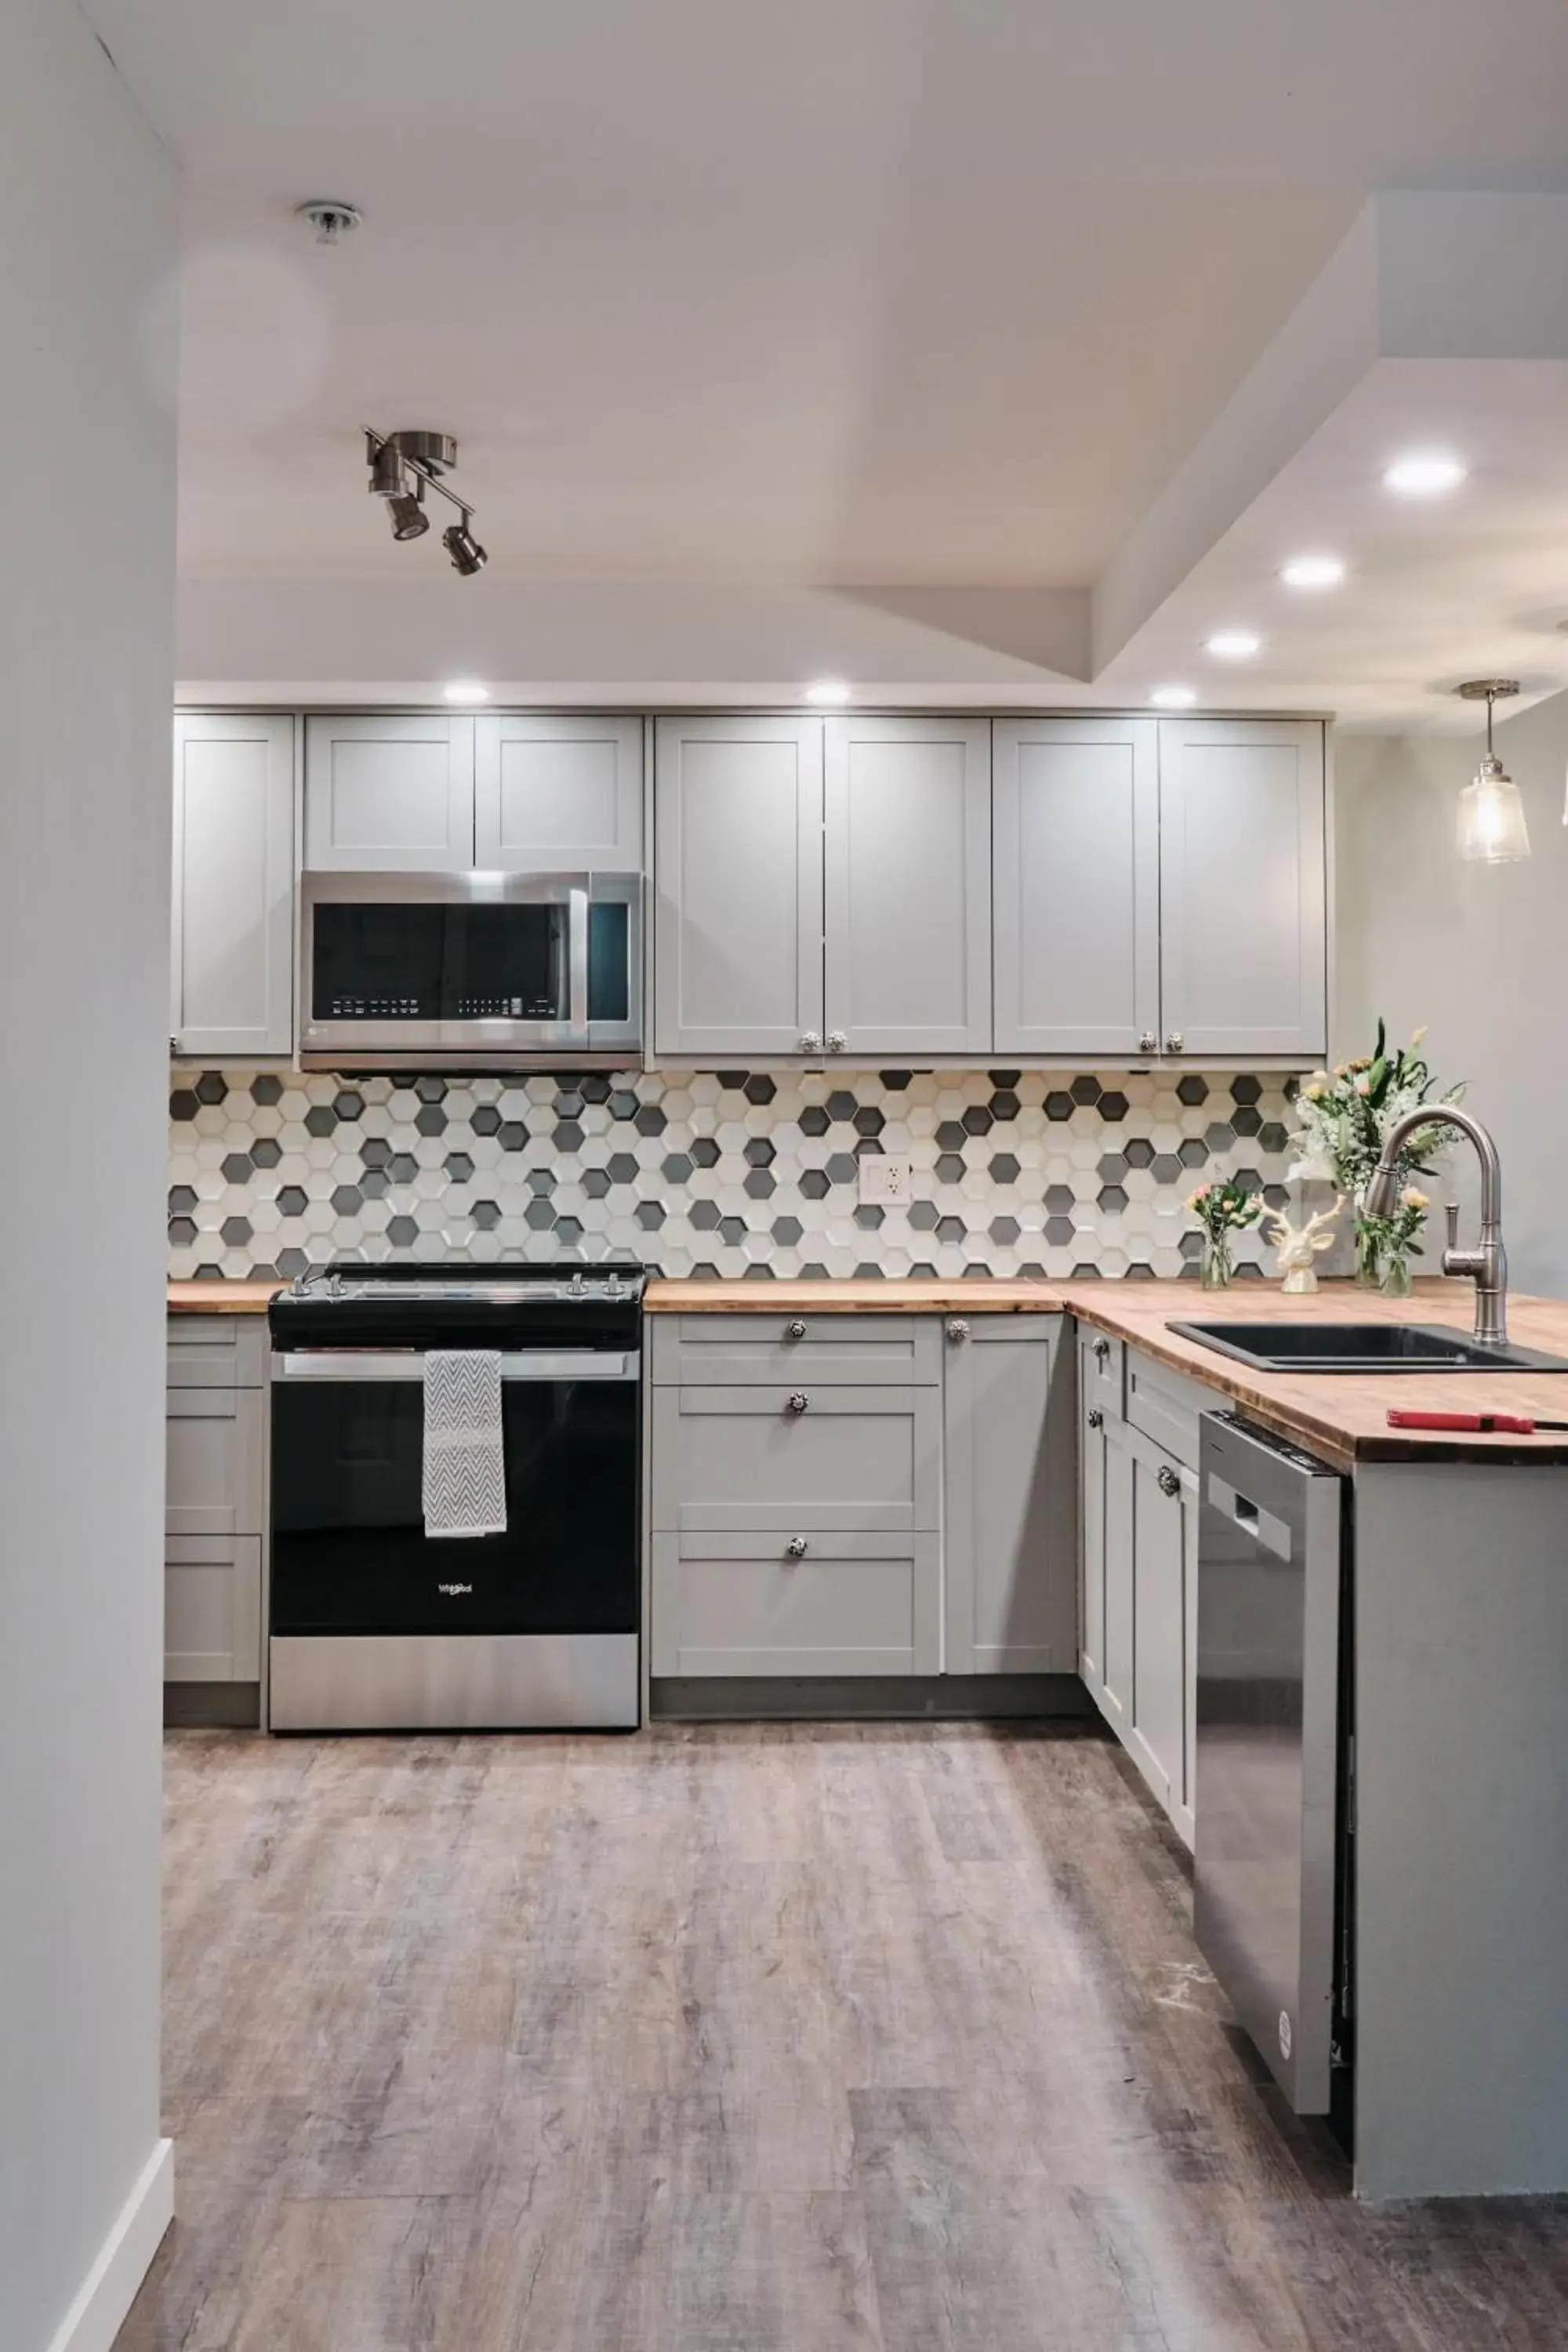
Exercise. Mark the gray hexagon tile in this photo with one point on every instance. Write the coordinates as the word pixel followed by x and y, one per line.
pixel 733 1172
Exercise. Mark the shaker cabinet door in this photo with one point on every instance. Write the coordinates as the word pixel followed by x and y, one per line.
pixel 232 977
pixel 1076 819
pixel 737 881
pixel 557 795
pixel 1243 887
pixel 389 795
pixel 908 901
pixel 1008 1513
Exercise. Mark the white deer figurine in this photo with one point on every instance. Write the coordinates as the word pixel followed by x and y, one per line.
pixel 1298 1245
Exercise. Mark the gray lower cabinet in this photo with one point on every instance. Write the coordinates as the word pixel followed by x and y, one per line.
pixel 862 1494
pixel 216 1503
pixel 1138 1565
pixel 1007 1516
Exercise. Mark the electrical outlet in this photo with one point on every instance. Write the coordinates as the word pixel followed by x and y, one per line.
pixel 884 1181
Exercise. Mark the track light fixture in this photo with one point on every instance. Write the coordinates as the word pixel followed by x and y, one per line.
pixel 403 466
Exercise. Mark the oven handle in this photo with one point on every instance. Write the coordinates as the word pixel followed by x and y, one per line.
pixel 354 1364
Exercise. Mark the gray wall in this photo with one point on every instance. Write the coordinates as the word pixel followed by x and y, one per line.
pixel 87 231
pixel 1479 952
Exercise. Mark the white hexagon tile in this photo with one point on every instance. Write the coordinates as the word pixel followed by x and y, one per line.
pixel 722 1173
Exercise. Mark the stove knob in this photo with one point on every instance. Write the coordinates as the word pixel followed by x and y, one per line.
pixel 799 1401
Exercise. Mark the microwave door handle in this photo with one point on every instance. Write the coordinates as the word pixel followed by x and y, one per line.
pixel 577 963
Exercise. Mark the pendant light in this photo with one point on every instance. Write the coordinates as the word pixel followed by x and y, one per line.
pixel 1491 826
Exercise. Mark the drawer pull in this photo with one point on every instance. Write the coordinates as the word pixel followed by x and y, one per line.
pixel 794 1330
pixel 958 1329
pixel 1102 1352
pixel 799 1401
pixel 797 1547
pixel 1168 1482
pixel 1095 1417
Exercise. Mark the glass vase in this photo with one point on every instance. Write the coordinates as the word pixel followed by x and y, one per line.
pixel 1369 1266
pixel 1397 1280
pixel 1215 1267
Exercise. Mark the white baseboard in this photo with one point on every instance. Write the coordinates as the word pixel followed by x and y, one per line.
pixel 108 2290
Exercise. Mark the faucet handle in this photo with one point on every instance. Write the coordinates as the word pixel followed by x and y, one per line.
pixel 1451 1213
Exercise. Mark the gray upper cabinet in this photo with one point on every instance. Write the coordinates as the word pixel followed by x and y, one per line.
pixel 558 795
pixel 232 990
pixel 908 895
pixel 1242 887
pixel 1076 819
pixel 738 875
pixel 390 795
pixel 1010 1573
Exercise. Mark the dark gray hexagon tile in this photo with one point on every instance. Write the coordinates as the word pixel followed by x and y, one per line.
pixel 485 1214
pixel 458 1166
pixel 235 1231
pixel 649 1119
pixel 1003 1104
pixel 978 1120
pixel 1218 1136
pixel 1168 1166
pixel 183 1104
pixel 786 1232
pixel 568 1232
pixel 814 1184
pixel 430 1089
pixel 1060 1106
pixel 1060 1200
pixel 376 1185
pixel 1112 1167
pixel 868 1121
pixel 485 1120
pixel 760 1152
pixel 320 1119
pixel 704 1151
pixel 952 1230
pixel 650 1215
pixel 1113 1107
pixel 266 1089
pixel 542 1183
pixel 182 1232
pixel 759 1184
pixel 813 1119
pixel 293 1262
pixel 595 1182
pixel 374 1150
pixel 760 1089
pixel 1245 1119
pixel 431 1119
pixel 703 1216
pixel 1272 1137
pixel 676 1168
pixel 512 1136
pixel 1138 1151
pixel 348 1104
pixel 292 1200
pixel 347 1201
pixel 237 1168
pixel 212 1087
pixel 401 1168
pixel 731 1232
pixel 896 1082
pixel 567 1137
pixel 1003 1167
pixel 182 1199
pixel 621 1168
pixel 1110 1200
pixel 1191 1089
pixel 266 1151
pixel 539 1216
pixel 843 1168
pixel 924 1217
pixel 1194 1153
pixel 868 1216
pixel 1245 1090
pixel 1005 1231
pixel 1060 1232
pixel 1085 1092
pixel 950 1167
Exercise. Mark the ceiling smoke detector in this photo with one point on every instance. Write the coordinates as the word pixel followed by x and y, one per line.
pixel 329 217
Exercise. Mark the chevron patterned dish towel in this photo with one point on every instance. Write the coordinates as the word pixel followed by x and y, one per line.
pixel 465 1461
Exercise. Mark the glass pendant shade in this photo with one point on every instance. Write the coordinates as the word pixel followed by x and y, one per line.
pixel 1491 829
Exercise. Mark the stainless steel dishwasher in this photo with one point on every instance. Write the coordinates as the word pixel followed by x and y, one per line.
pixel 1274 1807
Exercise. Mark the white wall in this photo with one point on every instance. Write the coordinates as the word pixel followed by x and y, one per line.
pixel 1479 952
pixel 87 503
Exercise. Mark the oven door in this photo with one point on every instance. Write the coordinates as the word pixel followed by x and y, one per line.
pixel 469 970
pixel 349 1554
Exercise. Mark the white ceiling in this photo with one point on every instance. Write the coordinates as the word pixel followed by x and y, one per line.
pixel 884 295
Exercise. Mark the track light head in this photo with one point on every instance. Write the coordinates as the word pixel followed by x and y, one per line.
pixel 467 556
pixel 388 474
pixel 409 520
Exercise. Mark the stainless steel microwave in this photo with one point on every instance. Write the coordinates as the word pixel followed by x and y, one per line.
pixel 470 971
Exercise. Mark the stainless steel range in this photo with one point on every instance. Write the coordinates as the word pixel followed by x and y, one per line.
pixel 375 1625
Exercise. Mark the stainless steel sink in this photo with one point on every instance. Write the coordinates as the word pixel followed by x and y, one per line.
pixel 1317 1347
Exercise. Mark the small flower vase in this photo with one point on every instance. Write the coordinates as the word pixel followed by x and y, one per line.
pixel 1397 1282
pixel 1216 1268
pixel 1369 1268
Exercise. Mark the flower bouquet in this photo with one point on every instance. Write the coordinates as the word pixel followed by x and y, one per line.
pixel 1222 1209
pixel 1344 1114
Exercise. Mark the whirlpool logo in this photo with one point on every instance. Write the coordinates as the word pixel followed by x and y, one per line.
pixel 452 1591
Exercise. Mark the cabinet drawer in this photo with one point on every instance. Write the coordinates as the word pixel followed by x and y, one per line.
pixel 867 1350
pixel 856 1459
pixel 218 1351
pixel 1099 1369
pixel 741 1605
pixel 215 1441
pixel 1167 1406
pixel 212 1608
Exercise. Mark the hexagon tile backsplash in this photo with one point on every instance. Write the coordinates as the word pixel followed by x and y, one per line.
pixel 729 1172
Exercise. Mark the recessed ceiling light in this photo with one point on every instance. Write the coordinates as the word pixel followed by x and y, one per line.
pixel 827 692
pixel 1424 474
pixel 466 690
pixel 1173 698
pixel 1233 644
pixel 1313 571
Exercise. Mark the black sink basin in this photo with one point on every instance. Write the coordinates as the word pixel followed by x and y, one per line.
pixel 1362 1347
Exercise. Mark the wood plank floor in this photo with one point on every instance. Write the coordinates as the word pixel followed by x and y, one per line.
pixel 745 2039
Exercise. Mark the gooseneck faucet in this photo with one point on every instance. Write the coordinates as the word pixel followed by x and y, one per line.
pixel 1488 1262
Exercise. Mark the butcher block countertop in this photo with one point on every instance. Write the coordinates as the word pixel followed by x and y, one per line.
pixel 1341 1415
pixel 223 1297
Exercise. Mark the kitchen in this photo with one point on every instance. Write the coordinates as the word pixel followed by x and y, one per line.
pixel 855 1606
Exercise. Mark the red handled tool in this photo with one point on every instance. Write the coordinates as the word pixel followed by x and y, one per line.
pixel 1506 1424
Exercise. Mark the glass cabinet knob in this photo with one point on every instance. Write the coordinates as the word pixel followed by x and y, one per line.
pixel 958 1329
pixel 796 1330
pixel 797 1547
pixel 1148 1043
pixel 837 1041
pixel 1174 1042
pixel 811 1042
pixel 799 1401
pixel 1168 1482
pixel 1095 1418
